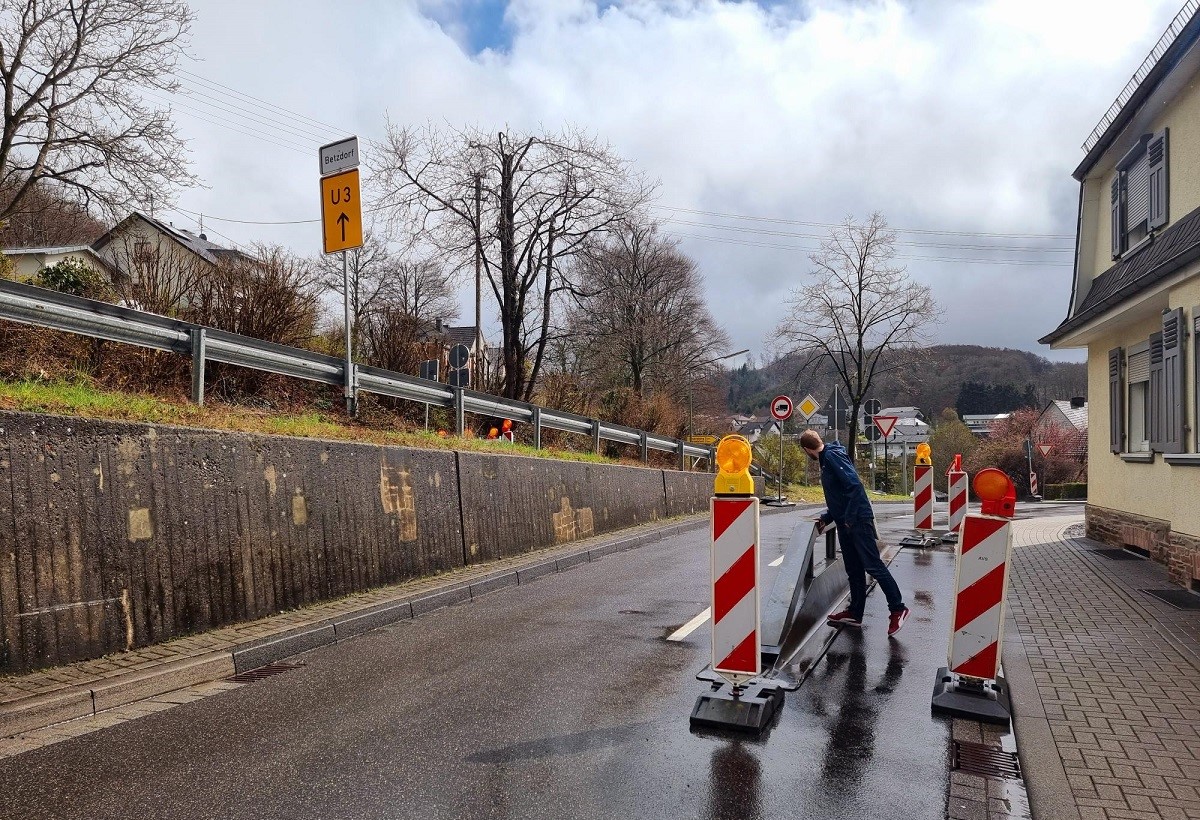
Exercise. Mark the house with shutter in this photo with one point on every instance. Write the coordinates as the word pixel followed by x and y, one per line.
pixel 1135 307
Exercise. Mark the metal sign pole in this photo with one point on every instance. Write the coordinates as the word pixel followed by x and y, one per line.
pixel 779 478
pixel 349 359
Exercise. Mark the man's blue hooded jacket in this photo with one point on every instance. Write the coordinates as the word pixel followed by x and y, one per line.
pixel 844 492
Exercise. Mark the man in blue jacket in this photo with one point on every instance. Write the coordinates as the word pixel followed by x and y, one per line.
pixel 850 510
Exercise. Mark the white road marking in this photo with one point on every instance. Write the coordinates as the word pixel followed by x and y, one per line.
pixel 776 562
pixel 690 626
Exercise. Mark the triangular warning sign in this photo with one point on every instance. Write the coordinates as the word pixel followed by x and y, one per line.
pixel 1044 449
pixel 885 424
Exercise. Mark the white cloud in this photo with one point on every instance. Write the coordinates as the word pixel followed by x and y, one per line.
pixel 942 115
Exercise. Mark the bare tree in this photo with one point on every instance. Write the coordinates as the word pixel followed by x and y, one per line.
pixel 542 197
pixel 157 277
pixel 272 295
pixel 857 309
pixel 641 320
pixel 72 73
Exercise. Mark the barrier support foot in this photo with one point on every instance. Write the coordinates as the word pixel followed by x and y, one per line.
pixel 919 541
pixel 972 699
pixel 748 709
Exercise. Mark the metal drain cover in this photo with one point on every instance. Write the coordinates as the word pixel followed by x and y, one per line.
pixel 1118 555
pixel 264 672
pixel 1178 598
pixel 985 761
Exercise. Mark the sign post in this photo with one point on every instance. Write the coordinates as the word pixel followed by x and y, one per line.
pixel 341 227
pixel 781 411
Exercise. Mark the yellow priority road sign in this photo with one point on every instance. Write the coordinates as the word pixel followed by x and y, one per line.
pixel 341 213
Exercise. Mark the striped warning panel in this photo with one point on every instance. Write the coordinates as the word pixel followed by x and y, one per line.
pixel 923 497
pixel 735 588
pixel 981 584
pixel 957 482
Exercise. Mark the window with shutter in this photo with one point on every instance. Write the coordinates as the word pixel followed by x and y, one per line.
pixel 1155 393
pixel 1116 401
pixel 1137 378
pixel 1156 163
pixel 1174 422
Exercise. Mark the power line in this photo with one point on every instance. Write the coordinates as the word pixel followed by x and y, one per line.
pixel 953 246
pixel 959 260
pixel 898 230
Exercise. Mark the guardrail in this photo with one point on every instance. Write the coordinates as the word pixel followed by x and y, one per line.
pixel 99 320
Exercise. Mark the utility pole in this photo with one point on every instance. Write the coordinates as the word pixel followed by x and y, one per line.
pixel 478 286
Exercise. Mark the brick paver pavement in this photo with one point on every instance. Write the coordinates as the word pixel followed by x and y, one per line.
pixel 1118 673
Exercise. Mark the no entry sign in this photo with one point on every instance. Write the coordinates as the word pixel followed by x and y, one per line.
pixel 781 408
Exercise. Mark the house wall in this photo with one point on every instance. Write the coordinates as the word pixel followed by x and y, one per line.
pixel 27 265
pixel 1183 146
pixel 1152 506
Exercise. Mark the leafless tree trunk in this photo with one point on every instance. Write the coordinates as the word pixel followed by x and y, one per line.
pixel 857 308
pixel 544 196
pixel 73 74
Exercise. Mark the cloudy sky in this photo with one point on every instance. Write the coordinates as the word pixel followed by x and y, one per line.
pixel 764 122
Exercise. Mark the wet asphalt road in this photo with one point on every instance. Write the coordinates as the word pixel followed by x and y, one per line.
pixel 559 699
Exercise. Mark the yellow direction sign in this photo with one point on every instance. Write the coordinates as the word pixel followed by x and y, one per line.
pixel 702 439
pixel 808 407
pixel 341 213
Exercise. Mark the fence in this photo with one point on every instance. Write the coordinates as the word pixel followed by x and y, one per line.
pixel 99 320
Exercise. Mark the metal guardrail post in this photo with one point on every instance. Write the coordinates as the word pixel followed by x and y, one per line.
pixel 199 345
pixel 682 457
pixel 537 428
pixel 830 544
pixel 644 446
pixel 712 459
pixel 596 436
pixel 460 414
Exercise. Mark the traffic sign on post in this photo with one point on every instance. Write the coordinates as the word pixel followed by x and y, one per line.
pixel 781 408
pixel 1044 449
pixel 808 407
pixel 338 156
pixel 341 212
pixel 885 424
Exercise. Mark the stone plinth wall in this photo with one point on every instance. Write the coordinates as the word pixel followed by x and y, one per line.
pixel 1180 553
pixel 117 535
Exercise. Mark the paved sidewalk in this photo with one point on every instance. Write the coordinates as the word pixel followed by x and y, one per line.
pixel 1105 680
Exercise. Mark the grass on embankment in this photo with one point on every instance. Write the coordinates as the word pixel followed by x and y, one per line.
pixel 812 494
pixel 86 401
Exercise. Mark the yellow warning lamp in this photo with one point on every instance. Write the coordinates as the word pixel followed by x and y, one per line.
pixel 733 467
pixel 923 455
pixel 996 492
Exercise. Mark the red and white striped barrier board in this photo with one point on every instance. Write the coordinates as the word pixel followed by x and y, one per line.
pixel 923 497
pixel 981 584
pixel 957 482
pixel 1033 487
pixel 735 643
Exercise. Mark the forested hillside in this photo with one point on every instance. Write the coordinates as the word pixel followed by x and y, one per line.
pixel 980 379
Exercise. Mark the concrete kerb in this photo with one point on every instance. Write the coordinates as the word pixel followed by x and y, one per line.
pixel 39 711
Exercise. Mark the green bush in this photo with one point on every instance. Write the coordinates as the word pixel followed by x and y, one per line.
pixel 74 277
pixel 1074 491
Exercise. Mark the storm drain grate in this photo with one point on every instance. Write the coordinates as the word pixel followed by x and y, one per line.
pixel 1178 598
pixel 985 761
pixel 1117 555
pixel 264 672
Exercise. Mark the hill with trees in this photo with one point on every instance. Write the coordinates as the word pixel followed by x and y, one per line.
pixel 969 378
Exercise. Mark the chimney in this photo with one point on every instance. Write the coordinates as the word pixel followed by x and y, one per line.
pixel 439 326
pixel 1078 402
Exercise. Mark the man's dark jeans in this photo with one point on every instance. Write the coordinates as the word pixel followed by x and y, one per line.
pixel 860 553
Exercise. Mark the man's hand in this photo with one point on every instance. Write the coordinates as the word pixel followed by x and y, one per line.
pixel 821 525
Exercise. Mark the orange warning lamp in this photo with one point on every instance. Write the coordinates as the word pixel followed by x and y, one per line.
pixel 956 465
pixel 996 492
pixel 506 426
pixel 733 467
pixel 923 455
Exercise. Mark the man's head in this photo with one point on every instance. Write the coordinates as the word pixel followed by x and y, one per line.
pixel 811 443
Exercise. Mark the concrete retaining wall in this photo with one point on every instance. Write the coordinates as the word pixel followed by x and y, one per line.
pixel 115 535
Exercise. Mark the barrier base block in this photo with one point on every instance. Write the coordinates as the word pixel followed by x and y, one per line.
pixel 750 710
pixel 922 541
pixel 989 702
pixel 950 538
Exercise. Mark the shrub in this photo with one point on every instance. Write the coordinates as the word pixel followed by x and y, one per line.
pixel 1072 491
pixel 75 277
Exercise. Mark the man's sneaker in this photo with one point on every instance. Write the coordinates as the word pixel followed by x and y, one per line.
pixel 897 620
pixel 843 618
